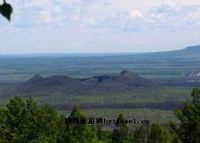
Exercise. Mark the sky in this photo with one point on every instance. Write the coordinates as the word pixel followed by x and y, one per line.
pixel 100 26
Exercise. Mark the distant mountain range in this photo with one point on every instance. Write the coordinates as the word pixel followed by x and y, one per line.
pixel 188 53
pixel 193 49
pixel 124 82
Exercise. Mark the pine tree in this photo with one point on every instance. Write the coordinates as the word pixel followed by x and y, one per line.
pixel 189 117
pixel 121 133
pixel 141 134
pixel 77 130
pixel 25 121
pixel 159 134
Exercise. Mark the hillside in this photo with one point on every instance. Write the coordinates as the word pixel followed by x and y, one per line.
pixel 124 82
pixel 189 53
pixel 192 49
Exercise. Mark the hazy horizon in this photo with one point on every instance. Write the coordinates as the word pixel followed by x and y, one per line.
pixel 83 53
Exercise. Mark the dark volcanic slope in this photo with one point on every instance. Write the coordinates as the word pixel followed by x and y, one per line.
pixel 124 82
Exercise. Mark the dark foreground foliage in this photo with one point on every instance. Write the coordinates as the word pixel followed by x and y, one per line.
pixel 6 10
pixel 24 121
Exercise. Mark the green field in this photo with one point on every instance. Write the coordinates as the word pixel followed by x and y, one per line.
pixel 143 96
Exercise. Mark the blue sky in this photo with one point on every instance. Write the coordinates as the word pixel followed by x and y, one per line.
pixel 100 26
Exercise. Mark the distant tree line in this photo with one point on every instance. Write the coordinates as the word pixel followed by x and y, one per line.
pixel 24 121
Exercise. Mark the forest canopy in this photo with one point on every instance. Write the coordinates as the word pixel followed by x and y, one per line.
pixel 23 120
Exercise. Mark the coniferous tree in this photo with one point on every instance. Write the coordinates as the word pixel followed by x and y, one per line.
pixel 159 135
pixel 172 128
pixel 141 134
pixel 25 121
pixel 121 133
pixel 77 130
pixel 189 117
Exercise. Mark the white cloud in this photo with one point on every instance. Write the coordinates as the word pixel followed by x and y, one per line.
pixel 107 14
pixel 135 14
pixel 45 17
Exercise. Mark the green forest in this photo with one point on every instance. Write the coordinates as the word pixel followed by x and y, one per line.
pixel 25 121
